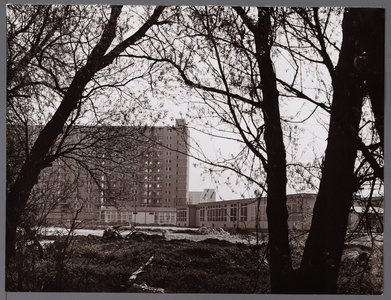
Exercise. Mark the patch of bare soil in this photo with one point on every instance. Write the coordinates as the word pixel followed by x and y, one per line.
pixel 207 260
pixel 143 262
pixel 204 233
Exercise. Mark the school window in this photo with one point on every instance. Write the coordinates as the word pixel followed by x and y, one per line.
pixel 233 212
pixel 243 213
pixel 202 214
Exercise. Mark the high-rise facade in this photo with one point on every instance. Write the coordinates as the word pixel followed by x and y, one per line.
pixel 166 168
pixel 130 174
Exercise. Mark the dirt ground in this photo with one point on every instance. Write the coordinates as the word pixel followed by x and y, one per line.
pixel 170 233
pixel 174 260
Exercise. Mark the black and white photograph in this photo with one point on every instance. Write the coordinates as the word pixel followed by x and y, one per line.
pixel 199 149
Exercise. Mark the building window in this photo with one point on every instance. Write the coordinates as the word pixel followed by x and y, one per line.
pixel 294 212
pixel 161 218
pixel 233 212
pixel 202 214
pixel 182 215
pixel 243 213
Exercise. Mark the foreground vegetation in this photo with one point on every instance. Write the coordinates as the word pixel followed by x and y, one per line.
pixel 152 263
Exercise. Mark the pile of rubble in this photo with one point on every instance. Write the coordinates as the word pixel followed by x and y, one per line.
pixel 212 231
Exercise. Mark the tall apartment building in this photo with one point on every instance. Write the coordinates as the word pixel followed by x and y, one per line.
pixel 127 176
pixel 166 171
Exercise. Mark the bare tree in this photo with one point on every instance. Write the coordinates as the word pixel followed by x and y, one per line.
pixel 65 59
pixel 227 56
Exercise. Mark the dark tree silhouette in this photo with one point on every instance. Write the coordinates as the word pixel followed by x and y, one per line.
pixel 237 50
pixel 237 47
pixel 47 28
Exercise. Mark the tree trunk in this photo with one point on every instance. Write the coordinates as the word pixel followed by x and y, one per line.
pixel 373 26
pixel 39 156
pixel 319 269
pixel 323 249
pixel 277 214
pixel 37 161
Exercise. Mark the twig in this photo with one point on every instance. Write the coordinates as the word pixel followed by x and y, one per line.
pixel 140 270
pixel 144 286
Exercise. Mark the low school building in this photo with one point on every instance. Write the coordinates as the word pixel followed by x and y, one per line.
pixel 245 213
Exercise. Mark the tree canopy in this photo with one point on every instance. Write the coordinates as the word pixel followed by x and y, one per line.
pixel 64 69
